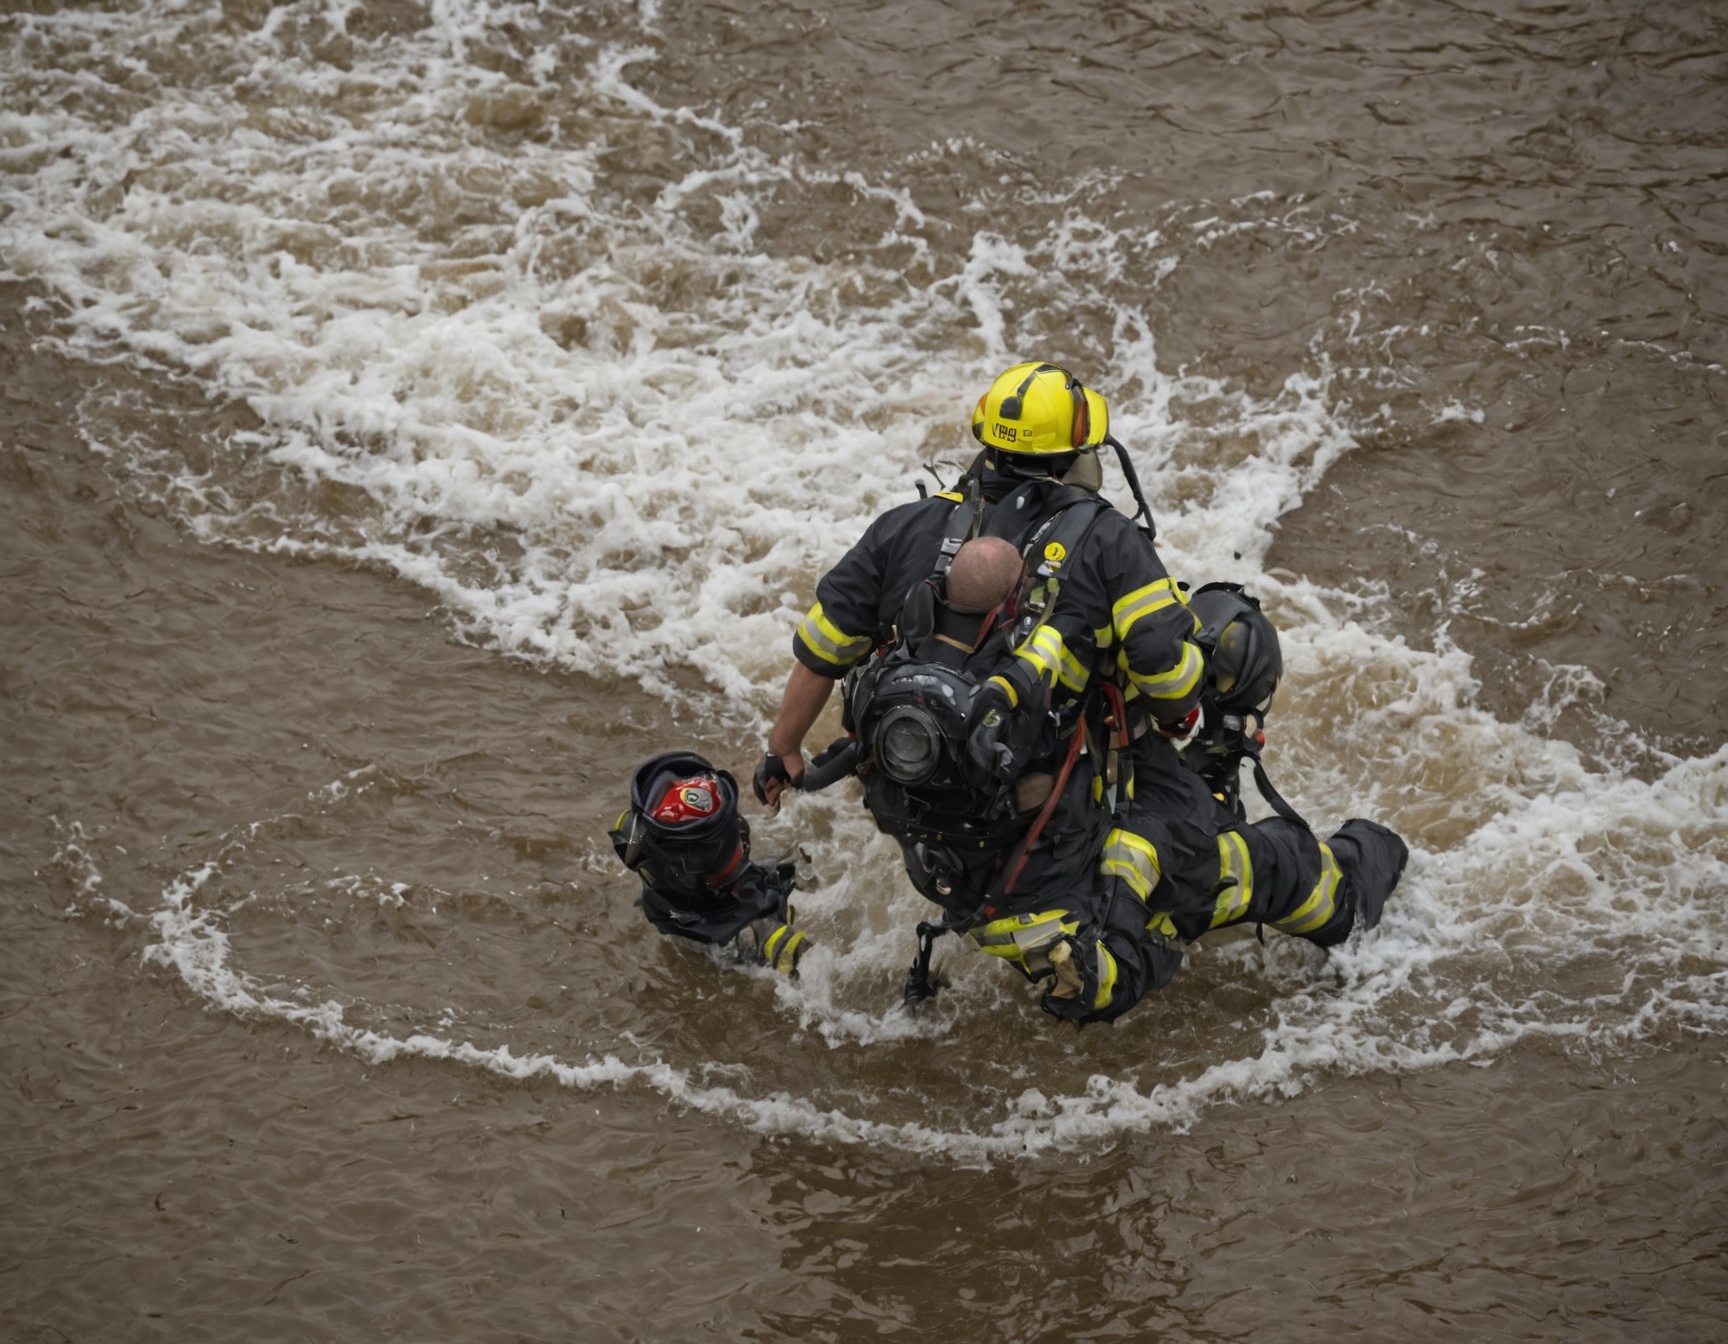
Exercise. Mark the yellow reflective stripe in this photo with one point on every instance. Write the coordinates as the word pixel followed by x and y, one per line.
pixel 1322 902
pixel 1018 938
pixel 1142 602
pixel 782 948
pixel 1233 862
pixel 1045 650
pixel 1178 683
pixel 1026 930
pixel 1130 692
pixel 1106 979
pixel 1008 686
pixel 828 642
pixel 1132 858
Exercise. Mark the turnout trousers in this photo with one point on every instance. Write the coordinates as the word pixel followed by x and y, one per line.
pixel 1179 864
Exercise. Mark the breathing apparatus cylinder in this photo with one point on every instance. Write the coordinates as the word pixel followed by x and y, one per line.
pixel 682 833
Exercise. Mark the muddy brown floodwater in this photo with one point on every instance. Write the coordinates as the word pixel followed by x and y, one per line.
pixel 1493 238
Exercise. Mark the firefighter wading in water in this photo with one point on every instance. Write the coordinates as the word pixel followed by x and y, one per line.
pixel 1023 752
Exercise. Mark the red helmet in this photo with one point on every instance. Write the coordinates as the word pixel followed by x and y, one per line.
pixel 692 799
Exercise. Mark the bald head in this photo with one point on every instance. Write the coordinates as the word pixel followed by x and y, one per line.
pixel 984 573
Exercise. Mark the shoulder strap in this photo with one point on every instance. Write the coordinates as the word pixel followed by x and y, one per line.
pixel 1059 536
pixel 1051 543
pixel 963 522
pixel 916 609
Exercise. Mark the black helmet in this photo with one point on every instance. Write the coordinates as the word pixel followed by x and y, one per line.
pixel 682 833
pixel 1243 661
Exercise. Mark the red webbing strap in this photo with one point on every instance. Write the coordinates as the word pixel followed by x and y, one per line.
pixel 1056 792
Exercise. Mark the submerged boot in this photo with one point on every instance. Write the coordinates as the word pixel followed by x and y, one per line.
pixel 1372 859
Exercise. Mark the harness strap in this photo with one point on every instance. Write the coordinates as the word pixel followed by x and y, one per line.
pixel 1273 797
pixel 1024 851
pixel 1116 719
pixel 963 522
pixel 1052 543
pixel 1068 513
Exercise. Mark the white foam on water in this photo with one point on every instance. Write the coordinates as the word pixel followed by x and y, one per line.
pixel 193 944
pixel 76 856
pixel 617 423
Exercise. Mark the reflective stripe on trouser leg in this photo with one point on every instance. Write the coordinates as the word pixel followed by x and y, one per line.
pixel 1236 873
pixel 1322 902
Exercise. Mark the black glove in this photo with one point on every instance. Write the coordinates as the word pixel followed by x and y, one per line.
pixel 989 718
pixel 770 767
